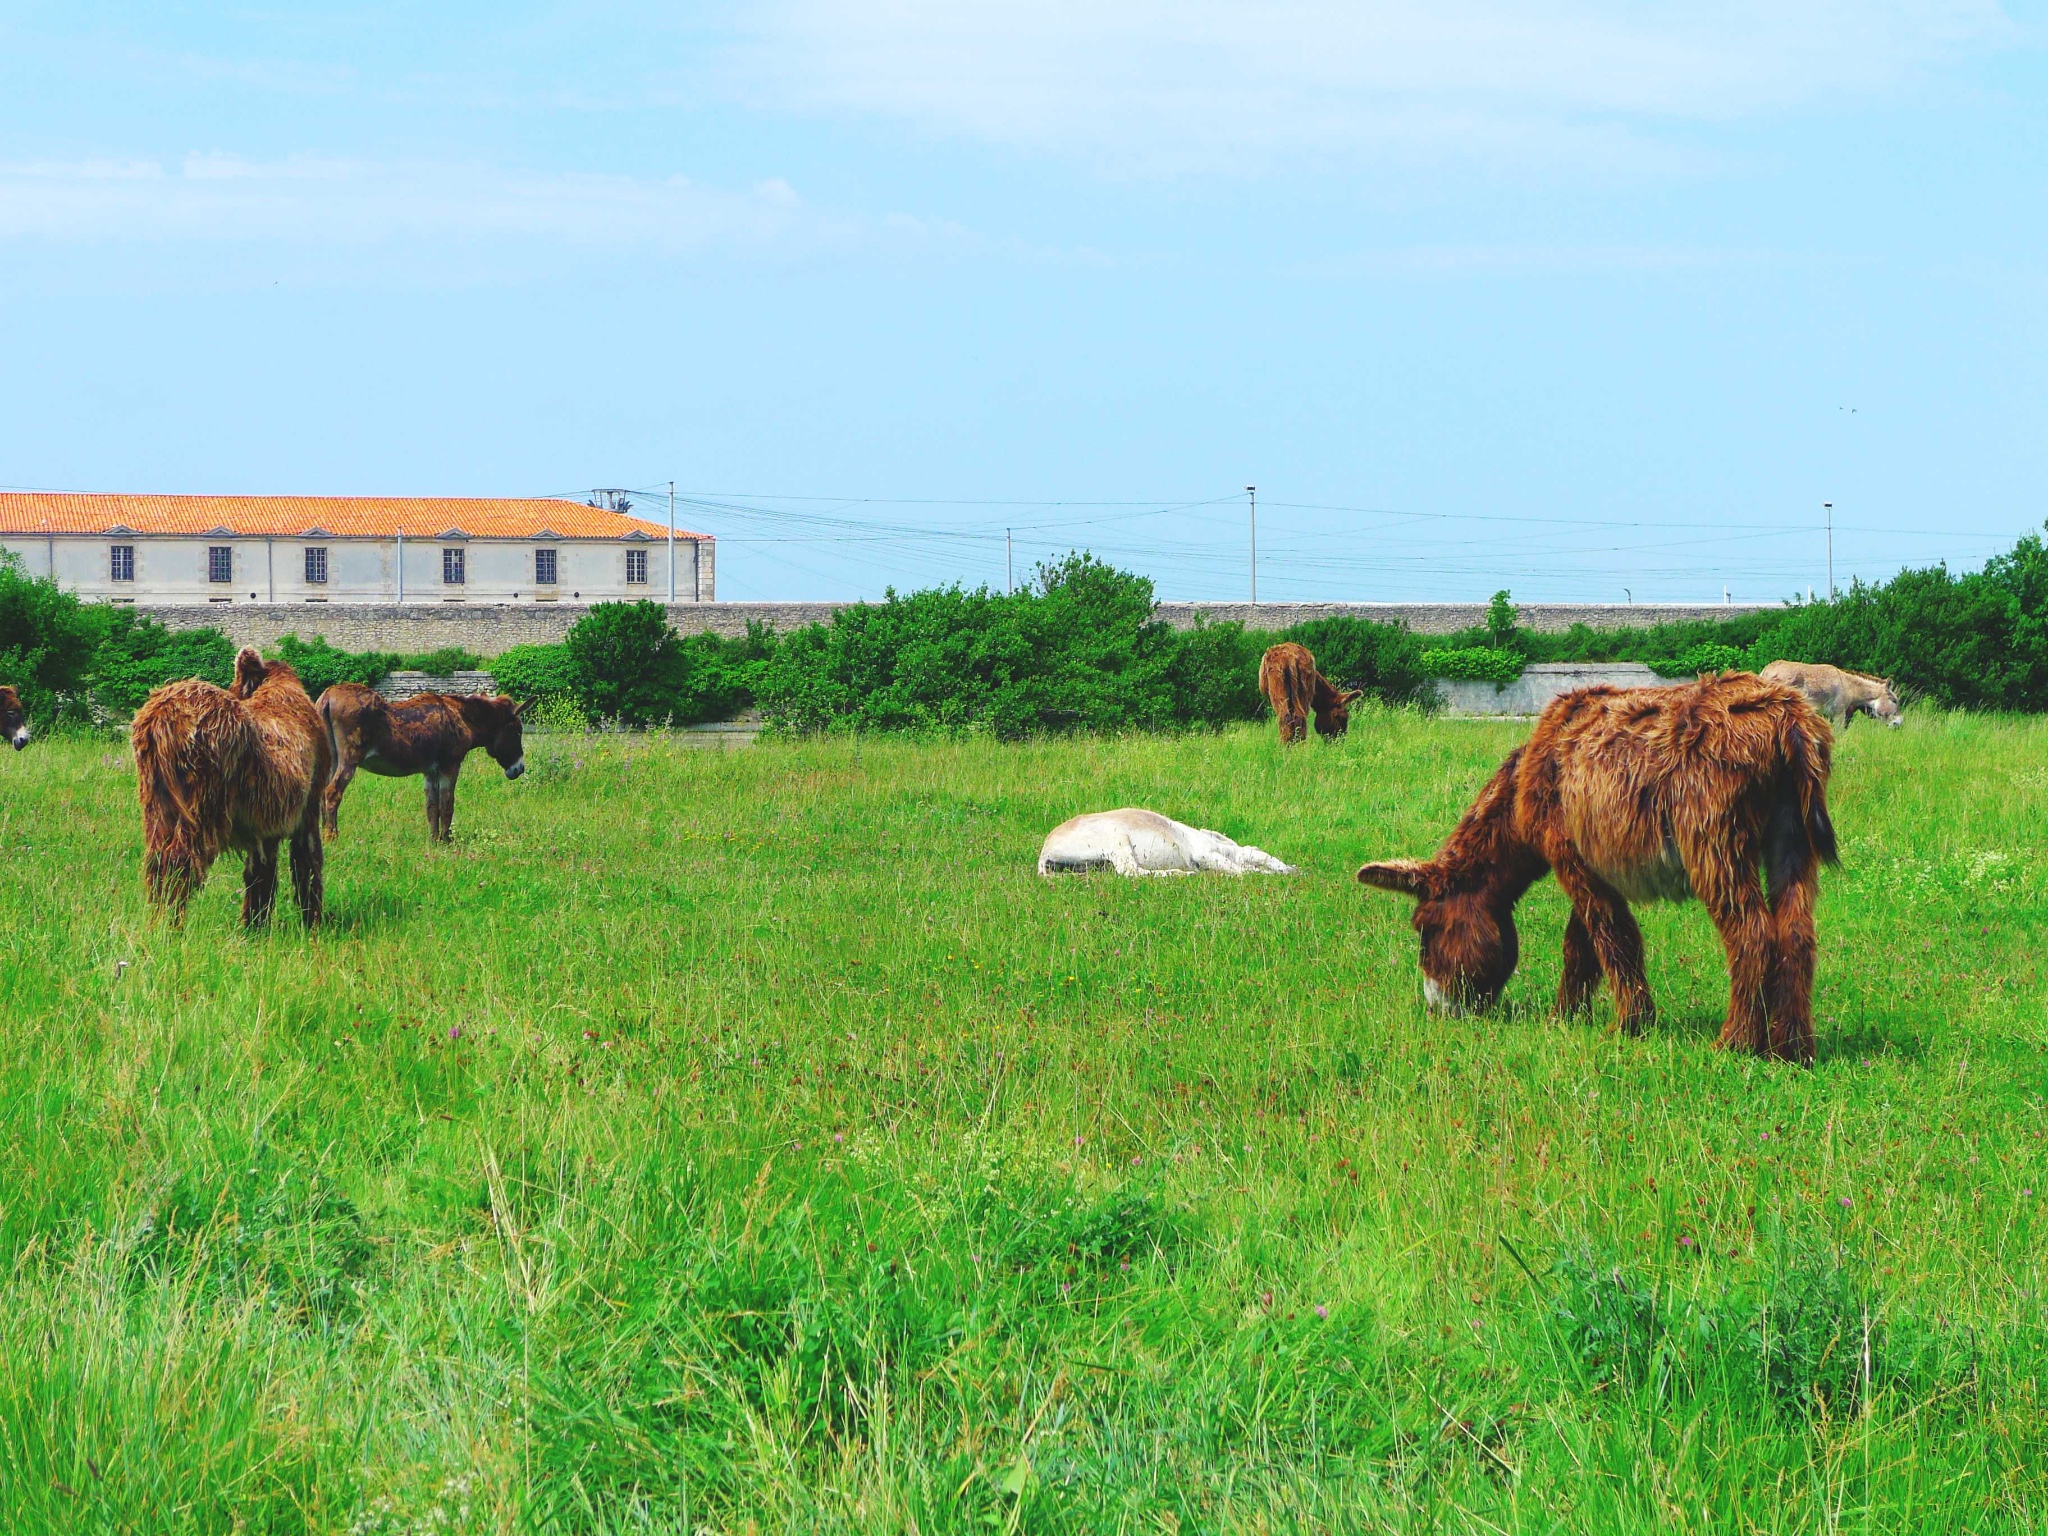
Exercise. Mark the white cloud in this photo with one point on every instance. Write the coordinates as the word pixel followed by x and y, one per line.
pixel 1197 83
pixel 226 198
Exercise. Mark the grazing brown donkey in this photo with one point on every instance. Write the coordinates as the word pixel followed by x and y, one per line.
pixel 239 767
pixel 1643 794
pixel 13 719
pixel 1837 693
pixel 428 734
pixel 1289 680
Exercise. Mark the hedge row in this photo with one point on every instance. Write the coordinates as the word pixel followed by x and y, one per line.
pixel 1077 650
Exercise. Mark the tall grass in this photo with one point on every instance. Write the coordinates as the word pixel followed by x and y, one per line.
pixel 751 1141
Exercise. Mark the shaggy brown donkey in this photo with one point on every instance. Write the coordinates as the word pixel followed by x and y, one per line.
pixel 13 719
pixel 1638 795
pixel 1289 680
pixel 239 767
pixel 428 734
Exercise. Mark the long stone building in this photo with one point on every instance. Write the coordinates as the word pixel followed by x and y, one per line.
pixel 352 549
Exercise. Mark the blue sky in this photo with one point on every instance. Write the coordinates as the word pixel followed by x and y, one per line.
pixel 1569 296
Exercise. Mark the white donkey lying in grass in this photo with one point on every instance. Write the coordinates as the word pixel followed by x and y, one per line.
pixel 1134 842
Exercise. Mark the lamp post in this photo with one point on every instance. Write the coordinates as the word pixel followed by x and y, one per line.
pixel 1829 508
pixel 1253 492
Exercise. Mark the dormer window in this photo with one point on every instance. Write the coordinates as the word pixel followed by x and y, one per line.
pixel 121 562
pixel 454 569
pixel 544 568
pixel 636 567
pixel 316 565
pixel 220 562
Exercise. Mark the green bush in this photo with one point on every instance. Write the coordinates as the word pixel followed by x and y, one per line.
pixel 1077 650
pixel 1705 657
pixel 136 655
pixel 320 666
pixel 626 662
pixel 47 639
pixel 535 672
pixel 1474 664
pixel 449 658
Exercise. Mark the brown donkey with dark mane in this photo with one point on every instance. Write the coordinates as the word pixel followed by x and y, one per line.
pixel 1643 794
pixel 428 734
pixel 13 719
pixel 239 767
pixel 1291 682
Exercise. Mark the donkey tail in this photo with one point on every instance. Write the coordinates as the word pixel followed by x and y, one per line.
pixel 1812 748
pixel 189 740
pixel 1800 832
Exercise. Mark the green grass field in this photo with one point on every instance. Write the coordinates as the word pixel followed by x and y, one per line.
pixel 752 1141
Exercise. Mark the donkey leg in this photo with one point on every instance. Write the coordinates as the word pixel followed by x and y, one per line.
pixel 1581 966
pixel 309 861
pixel 433 783
pixel 1791 991
pixel 1736 903
pixel 1617 943
pixel 330 799
pixel 448 803
pixel 259 883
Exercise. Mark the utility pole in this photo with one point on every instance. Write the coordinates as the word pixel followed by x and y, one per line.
pixel 1253 492
pixel 671 541
pixel 400 563
pixel 1829 508
pixel 1009 567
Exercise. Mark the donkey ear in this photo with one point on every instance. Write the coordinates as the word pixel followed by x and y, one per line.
pixel 1411 877
pixel 1353 695
pixel 519 708
pixel 249 672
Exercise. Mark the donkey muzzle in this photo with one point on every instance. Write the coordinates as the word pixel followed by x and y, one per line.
pixel 516 769
pixel 19 739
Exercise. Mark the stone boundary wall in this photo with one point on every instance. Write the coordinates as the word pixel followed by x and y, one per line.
pixel 406 685
pixel 1541 682
pixel 412 628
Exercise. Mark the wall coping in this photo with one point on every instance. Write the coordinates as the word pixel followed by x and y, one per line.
pixel 492 627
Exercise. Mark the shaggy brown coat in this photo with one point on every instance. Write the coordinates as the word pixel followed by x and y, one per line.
pixel 1296 689
pixel 239 767
pixel 1639 795
pixel 13 719
pixel 429 734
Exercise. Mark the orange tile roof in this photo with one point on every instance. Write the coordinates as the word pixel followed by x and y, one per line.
pixel 341 517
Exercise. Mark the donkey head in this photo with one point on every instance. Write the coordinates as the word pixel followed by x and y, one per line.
pixel 1884 705
pixel 1469 944
pixel 250 672
pixel 13 719
pixel 506 743
pixel 1333 718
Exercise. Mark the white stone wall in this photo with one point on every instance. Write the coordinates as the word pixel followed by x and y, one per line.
pixel 1541 682
pixel 175 570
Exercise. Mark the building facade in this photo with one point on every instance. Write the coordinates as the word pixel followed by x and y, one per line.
pixel 352 549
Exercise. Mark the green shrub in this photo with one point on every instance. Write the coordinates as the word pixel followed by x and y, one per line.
pixel 1474 664
pixel 626 662
pixel 320 665
pixel 535 672
pixel 1077 650
pixel 450 658
pixel 47 639
pixel 136 655
pixel 1706 657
